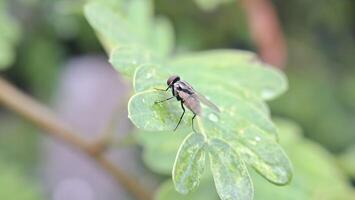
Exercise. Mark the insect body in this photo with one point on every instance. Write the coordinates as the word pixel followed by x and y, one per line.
pixel 188 97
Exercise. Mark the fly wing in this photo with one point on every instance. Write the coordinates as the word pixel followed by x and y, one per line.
pixel 199 96
pixel 207 102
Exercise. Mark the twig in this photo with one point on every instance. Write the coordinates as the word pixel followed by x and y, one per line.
pixel 42 117
pixel 266 31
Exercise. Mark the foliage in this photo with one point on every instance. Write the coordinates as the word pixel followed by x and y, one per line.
pixel 347 161
pixel 18 142
pixel 9 36
pixel 14 185
pixel 321 96
pixel 210 4
pixel 311 182
pixel 241 135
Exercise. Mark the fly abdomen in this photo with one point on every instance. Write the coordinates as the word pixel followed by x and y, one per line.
pixel 194 105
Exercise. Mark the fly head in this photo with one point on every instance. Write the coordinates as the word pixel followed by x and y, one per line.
pixel 172 79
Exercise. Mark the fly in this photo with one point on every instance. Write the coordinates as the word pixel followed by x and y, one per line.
pixel 188 97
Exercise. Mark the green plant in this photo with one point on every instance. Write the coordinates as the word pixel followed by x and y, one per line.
pixel 141 46
pixel 311 182
pixel 9 35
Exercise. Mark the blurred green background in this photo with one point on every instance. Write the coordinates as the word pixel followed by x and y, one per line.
pixel 320 37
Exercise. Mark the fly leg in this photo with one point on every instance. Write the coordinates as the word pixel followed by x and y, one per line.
pixel 163 100
pixel 192 123
pixel 183 108
pixel 162 89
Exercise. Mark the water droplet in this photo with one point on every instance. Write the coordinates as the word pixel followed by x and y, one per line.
pixel 267 93
pixel 134 62
pixel 257 138
pixel 143 100
pixel 213 117
pixel 149 75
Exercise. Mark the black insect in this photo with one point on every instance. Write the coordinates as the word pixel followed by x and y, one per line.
pixel 188 97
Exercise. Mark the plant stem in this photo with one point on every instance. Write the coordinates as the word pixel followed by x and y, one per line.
pixel 42 117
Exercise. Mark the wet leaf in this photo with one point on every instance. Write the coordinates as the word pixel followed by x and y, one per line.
pixel 189 164
pixel 230 174
pixel 310 182
pixel 244 121
pixel 240 68
pixel 130 26
pixel 126 59
pixel 109 24
pixel 236 81
pixel 205 191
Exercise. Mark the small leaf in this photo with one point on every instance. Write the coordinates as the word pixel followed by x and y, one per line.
pixel 264 154
pixel 130 26
pixel 189 163
pixel 126 59
pixel 205 191
pixel 9 36
pixel 230 174
pixel 149 77
pixel 313 166
pixel 163 37
pixel 7 54
pixel 209 5
pixel 146 114
pixel 140 15
pixel 238 67
pixel 110 24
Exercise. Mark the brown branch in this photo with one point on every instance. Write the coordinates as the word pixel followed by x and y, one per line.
pixel 42 117
pixel 266 31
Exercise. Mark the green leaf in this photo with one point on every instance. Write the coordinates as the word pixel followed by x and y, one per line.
pixel 7 55
pixel 9 36
pixel 163 37
pixel 189 163
pixel 265 155
pixel 110 25
pixel 205 191
pixel 244 121
pixel 131 26
pixel 140 15
pixel 209 5
pixel 15 186
pixel 311 182
pixel 347 161
pixel 313 166
pixel 147 115
pixel 126 59
pixel 230 174
pixel 240 68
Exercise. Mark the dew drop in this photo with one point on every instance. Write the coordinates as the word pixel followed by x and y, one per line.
pixel 257 138
pixel 149 75
pixel 267 93
pixel 134 62
pixel 143 100
pixel 213 117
